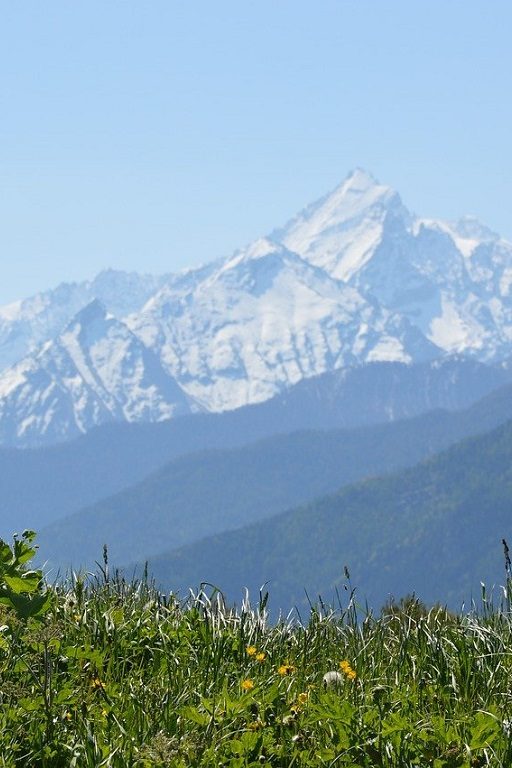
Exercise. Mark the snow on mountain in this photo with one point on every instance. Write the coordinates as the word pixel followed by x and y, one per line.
pixel 25 324
pixel 341 231
pixel 95 371
pixel 263 320
pixel 353 278
pixel 451 280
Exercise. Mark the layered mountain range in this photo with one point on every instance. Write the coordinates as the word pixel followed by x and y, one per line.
pixel 197 496
pixel 44 485
pixel 355 278
pixel 434 530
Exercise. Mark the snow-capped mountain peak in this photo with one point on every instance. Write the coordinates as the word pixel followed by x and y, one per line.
pixel 340 232
pixel 263 320
pixel 95 371
pixel 353 278
pixel 26 324
pixel 361 183
pixel 452 280
pixel 258 249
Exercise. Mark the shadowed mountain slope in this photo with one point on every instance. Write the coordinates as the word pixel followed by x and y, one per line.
pixel 435 529
pixel 65 478
pixel 207 493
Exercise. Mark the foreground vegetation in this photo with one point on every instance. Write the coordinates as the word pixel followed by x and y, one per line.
pixel 107 673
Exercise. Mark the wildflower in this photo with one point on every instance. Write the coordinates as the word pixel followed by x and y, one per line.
pixel 251 650
pixel 69 603
pixel 286 669
pixel 247 685
pixel 261 657
pixel 347 670
pixel 299 703
pixel 96 683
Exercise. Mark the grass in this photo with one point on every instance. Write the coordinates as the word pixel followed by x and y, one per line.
pixel 111 673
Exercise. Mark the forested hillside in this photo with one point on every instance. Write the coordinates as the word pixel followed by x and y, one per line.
pixel 435 530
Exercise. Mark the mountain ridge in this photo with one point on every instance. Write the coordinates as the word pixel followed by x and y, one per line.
pixel 213 491
pixel 434 530
pixel 354 277
pixel 68 476
pixel 95 371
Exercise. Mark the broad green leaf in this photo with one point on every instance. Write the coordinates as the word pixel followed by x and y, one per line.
pixel 26 606
pixel 192 714
pixel 19 584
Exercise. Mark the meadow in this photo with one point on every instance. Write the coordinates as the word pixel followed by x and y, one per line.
pixel 100 671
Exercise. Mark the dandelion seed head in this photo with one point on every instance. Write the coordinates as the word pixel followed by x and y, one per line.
pixel 332 678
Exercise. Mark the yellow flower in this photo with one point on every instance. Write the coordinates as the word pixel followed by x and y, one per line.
pixel 347 670
pixel 251 650
pixel 255 725
pixel 286 669
pixel 302 699
pixel 247 685
pixel 261 657
pixel 96 683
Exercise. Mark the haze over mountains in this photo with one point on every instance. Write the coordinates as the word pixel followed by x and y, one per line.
pixel 39 486
pixel 354 278
pixel 231 423
pixel 434 530
pixel 206 493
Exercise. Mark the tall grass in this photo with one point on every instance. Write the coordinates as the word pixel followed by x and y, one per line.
pixel 117 674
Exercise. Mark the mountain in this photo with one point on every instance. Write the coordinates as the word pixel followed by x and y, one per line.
pixel 210 492
pixel 262 321
pixel 341 232
pixel 354 278
pixel 269 316
pixel 381 392
pixel 434 530
pixel 451 280
pixel 118 455
pixel 96 371
pixel 26 324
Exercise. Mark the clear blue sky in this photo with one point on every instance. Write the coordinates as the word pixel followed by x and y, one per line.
pixel 153 134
